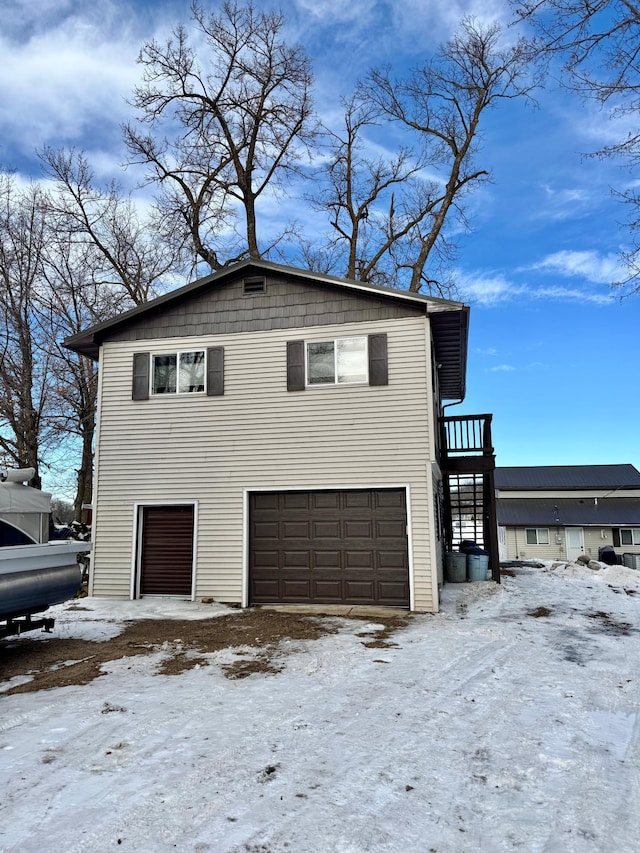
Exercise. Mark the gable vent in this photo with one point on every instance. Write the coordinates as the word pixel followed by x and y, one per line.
pixel 254 285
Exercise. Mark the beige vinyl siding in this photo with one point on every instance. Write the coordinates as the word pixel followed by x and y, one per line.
pixel 258 435
pixel 594 539
pixel 518 549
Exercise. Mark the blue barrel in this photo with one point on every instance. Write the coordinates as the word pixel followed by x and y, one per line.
pixel 455 567
pixel 477 567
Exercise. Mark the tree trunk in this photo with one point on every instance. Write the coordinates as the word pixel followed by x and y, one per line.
pixel 252 236
pixel 84 491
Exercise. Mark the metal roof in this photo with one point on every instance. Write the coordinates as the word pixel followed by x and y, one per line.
pixel 558 477
pixel 449 319
pixel 560 512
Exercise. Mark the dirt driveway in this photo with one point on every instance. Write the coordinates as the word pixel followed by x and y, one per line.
pixel 57 662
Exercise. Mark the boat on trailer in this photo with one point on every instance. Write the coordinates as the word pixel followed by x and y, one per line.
pixel 35 573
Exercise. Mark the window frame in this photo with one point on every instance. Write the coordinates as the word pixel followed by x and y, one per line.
pixel 635 536
pixel 334 342
pixel 177 354
pixel 537 531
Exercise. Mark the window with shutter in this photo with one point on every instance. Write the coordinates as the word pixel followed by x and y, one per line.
pixel 177 373
pixel 339 361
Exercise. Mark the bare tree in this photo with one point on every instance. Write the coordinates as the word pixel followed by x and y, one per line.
pixel 441 104
pixel 101 258
pixel 365 197
pixel 127 252
pixel 237 116
pixel 70 299
pixel 25 393
pixel 598 44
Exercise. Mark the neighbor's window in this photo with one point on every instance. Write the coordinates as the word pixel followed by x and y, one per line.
pixel 340 361
pixel 630 536
pixel 537 535
pixel 178 373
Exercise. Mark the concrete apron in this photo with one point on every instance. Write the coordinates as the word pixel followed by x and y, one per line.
pixel 347 610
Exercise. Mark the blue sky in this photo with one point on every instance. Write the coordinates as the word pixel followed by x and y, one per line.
pixel 552 353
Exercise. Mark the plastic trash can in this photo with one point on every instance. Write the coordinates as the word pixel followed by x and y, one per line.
pixel 455 567
pixel 477 567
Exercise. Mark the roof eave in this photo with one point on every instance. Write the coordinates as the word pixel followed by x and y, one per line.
pixel 450 331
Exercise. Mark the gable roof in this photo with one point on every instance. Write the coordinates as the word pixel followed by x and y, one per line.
pixel 449 319
pixel 558 477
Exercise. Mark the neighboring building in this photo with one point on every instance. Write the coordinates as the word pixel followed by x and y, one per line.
pixel 560 512
pixel 267 434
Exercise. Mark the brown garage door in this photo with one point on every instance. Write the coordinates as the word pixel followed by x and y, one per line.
pixel 166 559
pixel 343 547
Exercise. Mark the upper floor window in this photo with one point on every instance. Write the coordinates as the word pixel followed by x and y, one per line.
pixel 630 536
pixel 178 373
pixel 337 362
pixel 181 372
pixel 537 535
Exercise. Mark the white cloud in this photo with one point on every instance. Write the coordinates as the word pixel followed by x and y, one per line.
pixel 332 12
pixel 376 33
pixel 501 368
pixel 604 126
pixel 563 203
pixel 423 25
pixel 567 294
pixel 438 20
pixel 599 269
pixel 61 83
pixel 489 290
pixel 68 68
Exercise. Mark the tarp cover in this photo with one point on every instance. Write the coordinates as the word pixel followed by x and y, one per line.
pixel 16 498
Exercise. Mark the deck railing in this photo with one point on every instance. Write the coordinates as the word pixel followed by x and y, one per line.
pixel 466 435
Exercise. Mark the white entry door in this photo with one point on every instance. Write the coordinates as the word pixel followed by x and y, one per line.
pixel 575 542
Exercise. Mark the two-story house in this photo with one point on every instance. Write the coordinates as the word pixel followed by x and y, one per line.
pixel 268 434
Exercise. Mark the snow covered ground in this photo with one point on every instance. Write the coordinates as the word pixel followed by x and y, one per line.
pixel 509 721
